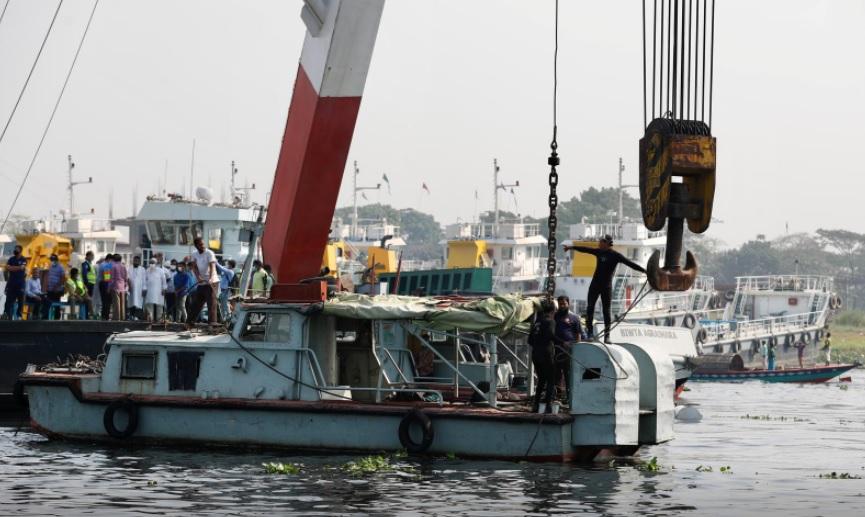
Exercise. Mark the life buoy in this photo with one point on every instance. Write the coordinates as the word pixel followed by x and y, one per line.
pixel 18 394
pixel 755 346
pixel 819 334
pixel 735 347
pixel 838 303
pixel 131 410
pixel 702 335
pixel 416 415
pixel 806 338
pixel 689 321
pixel 729 295
pixel 789 339
pixel 773 340
pixel 832 304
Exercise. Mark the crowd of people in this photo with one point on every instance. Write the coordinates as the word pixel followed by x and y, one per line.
pixel 107 288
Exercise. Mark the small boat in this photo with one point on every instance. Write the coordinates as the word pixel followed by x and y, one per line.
pixel 813 374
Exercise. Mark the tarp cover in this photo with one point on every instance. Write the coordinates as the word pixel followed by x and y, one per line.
pixel 496 314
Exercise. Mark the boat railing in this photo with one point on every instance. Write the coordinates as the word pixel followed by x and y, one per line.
pixel 317 374
pixel 718 330
pixel 784 283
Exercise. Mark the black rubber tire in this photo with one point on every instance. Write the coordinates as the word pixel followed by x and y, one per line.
pixel 18 394
pixel 428 432
pixel 108 419
pixel 689 321
pixel 702 335
pixel 806 338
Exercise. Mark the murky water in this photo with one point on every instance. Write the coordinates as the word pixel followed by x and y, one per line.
pixel 777 439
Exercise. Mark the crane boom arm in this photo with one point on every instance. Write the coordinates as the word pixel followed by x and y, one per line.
pixel 331 75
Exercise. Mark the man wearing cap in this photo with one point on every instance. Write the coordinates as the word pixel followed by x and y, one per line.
pixel 55 286
pixel 602 280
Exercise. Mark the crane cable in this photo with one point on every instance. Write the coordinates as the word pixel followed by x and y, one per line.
pixel 51 118
pixel 553 162
pixel 32 68
pixel 2 14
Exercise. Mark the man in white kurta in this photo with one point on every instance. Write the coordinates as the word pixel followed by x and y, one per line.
pixel 137 277
pixel 154 287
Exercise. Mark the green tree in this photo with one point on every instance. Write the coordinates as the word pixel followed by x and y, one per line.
pixel 850 247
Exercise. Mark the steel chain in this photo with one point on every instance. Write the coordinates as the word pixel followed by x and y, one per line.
pixel 552 221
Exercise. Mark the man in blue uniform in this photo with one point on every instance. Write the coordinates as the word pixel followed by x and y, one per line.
pixel 602 280
pixel 16 266
pixel 568 331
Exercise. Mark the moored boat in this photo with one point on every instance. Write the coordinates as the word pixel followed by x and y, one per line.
pixel 346 375
pixel 811 374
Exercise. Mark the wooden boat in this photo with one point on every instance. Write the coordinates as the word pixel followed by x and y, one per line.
pixel 812 374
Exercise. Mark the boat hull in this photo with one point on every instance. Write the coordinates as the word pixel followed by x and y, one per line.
pixel 62 411
pixel 801 375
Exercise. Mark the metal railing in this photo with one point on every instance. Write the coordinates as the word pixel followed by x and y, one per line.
pixel 731 329
pixel 795 283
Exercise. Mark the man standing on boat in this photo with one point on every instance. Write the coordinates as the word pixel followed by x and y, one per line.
pixel 569 332
pixel 204 268
pixel 602 281
pixel 16 266
pixel 55 286
pixel 542 339
pixel 119 287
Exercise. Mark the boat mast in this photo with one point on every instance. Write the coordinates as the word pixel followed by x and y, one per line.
pixel 355 190
pixel 495 198
pixel 72 184
pixel 622 188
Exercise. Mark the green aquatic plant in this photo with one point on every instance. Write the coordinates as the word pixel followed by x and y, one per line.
pixel 368 465
pixel 281 468
pixel 842 475
pixel 451 456
pixel 650 466
pixel 726 470
pixel 774 418
pixel 706 468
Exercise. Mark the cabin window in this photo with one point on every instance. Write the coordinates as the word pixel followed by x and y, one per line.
pixel 188 233
pixel 161 233
pixel 139 365
pixel 214 240
pixel 272 327
pixel 183 369
pixel 507 253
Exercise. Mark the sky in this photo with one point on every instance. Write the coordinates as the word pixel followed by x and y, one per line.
pixel 452 85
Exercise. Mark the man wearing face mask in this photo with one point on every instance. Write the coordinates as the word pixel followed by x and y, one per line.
pixel 55 287
pixel 137 286
pixel 16 267
pixel 170 296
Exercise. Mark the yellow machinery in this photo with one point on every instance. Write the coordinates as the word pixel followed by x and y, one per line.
pixel 332 253
pixel 39 247
pixel 381 260
pixel 467 253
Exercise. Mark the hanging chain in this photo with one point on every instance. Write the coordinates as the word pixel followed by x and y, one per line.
pixel 553 162
pixel 552 221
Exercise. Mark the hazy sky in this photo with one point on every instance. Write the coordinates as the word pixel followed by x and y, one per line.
pixel 452 85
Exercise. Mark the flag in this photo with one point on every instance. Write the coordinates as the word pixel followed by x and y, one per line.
pixel 386 180
pixel 363 195
pixel 425 188
pixel 476 194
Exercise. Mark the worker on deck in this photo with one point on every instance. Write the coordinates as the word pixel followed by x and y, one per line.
pixel 34 295
pixel 88 276
pixel 76 293
pixel 542 339
pixel 55 287
pixel 16 267
pixel 602 281
pixel 568 330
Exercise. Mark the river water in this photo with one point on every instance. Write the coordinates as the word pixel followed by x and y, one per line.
pixel 776 439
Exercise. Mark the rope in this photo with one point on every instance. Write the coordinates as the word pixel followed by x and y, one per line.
pixel 4 10
pixel 32 67
pixel 53 112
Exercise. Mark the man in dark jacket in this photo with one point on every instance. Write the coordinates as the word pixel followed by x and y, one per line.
pixel 568 331
pixel 542 339
pixel 602 281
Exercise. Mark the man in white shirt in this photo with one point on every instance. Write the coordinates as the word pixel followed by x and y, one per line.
pixel 154 291
pixel 137 280
pixel 204 270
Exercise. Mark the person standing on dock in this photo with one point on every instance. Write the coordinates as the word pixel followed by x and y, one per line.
pixel 602 281
pixel 119 287
pixel 104 276
pixel 16 266
pixel 569 332
pixel 137 281
pixel 542 339
pixel 88 276
pixel 55 286
pixel 154 292
pixel 204 268
pixel 183 283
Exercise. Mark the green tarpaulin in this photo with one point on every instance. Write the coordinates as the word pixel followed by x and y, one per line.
pixel 496 314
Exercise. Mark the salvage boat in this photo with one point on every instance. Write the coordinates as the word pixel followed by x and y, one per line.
pixel 356 373
pixel 812 374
